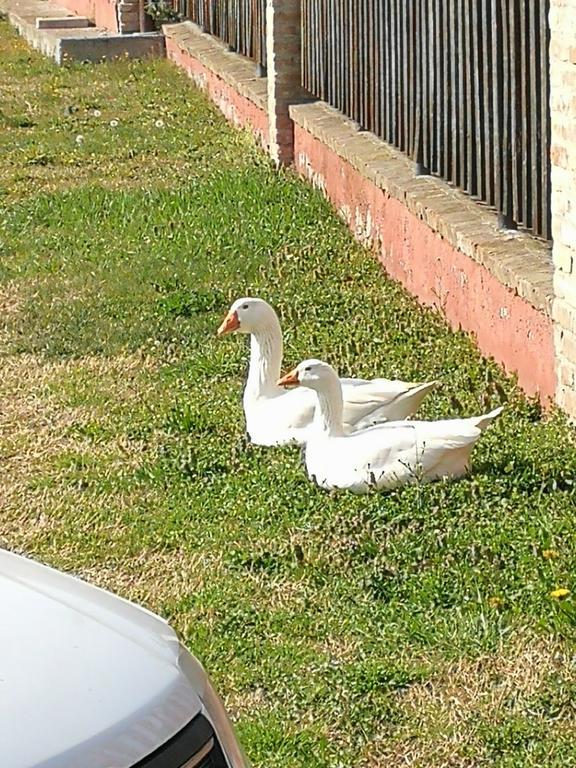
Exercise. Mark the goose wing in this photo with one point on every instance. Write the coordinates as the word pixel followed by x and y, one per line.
pixel 368 402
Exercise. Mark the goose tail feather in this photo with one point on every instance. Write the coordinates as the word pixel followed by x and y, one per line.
pixel 482 422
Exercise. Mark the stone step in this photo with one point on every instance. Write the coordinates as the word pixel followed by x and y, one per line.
pixel 52 30
pixel 62 22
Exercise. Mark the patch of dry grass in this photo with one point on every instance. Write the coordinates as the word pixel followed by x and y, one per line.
pixel 445 719
pixel 38 426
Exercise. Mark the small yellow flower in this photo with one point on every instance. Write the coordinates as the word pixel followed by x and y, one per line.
pixel 495 602
pixel 549 554
pixel 560 593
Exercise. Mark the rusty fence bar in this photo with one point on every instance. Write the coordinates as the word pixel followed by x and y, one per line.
pixel 241 24
pixel 461 86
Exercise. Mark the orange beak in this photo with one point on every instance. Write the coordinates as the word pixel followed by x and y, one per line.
pixel 290 379
pixel 229 324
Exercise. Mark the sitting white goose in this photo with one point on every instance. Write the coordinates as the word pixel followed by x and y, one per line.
pixel 275 416
pixel 385 455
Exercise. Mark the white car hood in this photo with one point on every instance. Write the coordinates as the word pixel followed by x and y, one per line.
pixel 87 680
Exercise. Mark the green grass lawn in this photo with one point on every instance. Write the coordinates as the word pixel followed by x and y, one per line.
pixel 409 628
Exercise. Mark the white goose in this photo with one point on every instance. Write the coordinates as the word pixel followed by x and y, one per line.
pixel 275 416
pixel 385 455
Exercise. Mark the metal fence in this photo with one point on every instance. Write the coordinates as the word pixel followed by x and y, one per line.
pixel 461 86
pixel 241 24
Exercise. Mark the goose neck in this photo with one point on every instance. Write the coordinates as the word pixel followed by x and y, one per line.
pixel 265 358
pixel 328 414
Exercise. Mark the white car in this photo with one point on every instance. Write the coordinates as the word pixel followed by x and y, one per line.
pixel 88 680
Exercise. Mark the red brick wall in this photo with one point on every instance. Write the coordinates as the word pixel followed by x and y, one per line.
pixel 506 326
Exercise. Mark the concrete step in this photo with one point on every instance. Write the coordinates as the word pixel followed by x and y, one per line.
pixel 55 32
pixel 62 22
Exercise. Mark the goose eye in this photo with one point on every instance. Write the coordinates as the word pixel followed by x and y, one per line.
pixel 244 306
pixel 307 369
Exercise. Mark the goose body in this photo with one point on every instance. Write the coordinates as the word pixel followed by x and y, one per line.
pixel 383 456
pixel 275 416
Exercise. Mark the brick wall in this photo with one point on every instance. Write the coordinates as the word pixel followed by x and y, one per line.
pixel 563 108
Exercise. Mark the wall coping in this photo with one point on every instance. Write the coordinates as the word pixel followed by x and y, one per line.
pixel 235 70
pixel 521 262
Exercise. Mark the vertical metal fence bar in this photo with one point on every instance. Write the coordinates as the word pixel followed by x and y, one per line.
pixel 431 66
pixel 383 43
pixel 523 19
pixel 361 53
pixel 339 54
pixel 401 95
pixel 486 101
pixel 322 47
pixel 415 80
pixel 329 43
pixel 460 178
pixel 314 49
pixel 391 74
pixel 425 69
pixel 508 94
pixel 305 46
pixel 372 64
pixel 439 123
pixel 411 75
pixel 477 12
pixel 395 85
pixel 470 65
pixel 378 65
pixel 545 224
pixel 496 102
pixel 534 114
pixel 409 86
pixel 525 14
pixel 444 117
pixel 455 90
pixel 347 73
pixel 516 212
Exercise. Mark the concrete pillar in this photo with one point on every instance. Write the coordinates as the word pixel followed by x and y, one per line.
pixel 563 155
pixel 283 52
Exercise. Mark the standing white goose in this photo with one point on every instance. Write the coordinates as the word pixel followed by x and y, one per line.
pixel 385 455
pixel 275 416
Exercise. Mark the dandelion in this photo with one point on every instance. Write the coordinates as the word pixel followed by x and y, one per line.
pixel 560 593
pixel 96 113
pixel 549 554
pixel 113 123
pixel 79 140
pixel 495 602
pixel 159 123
